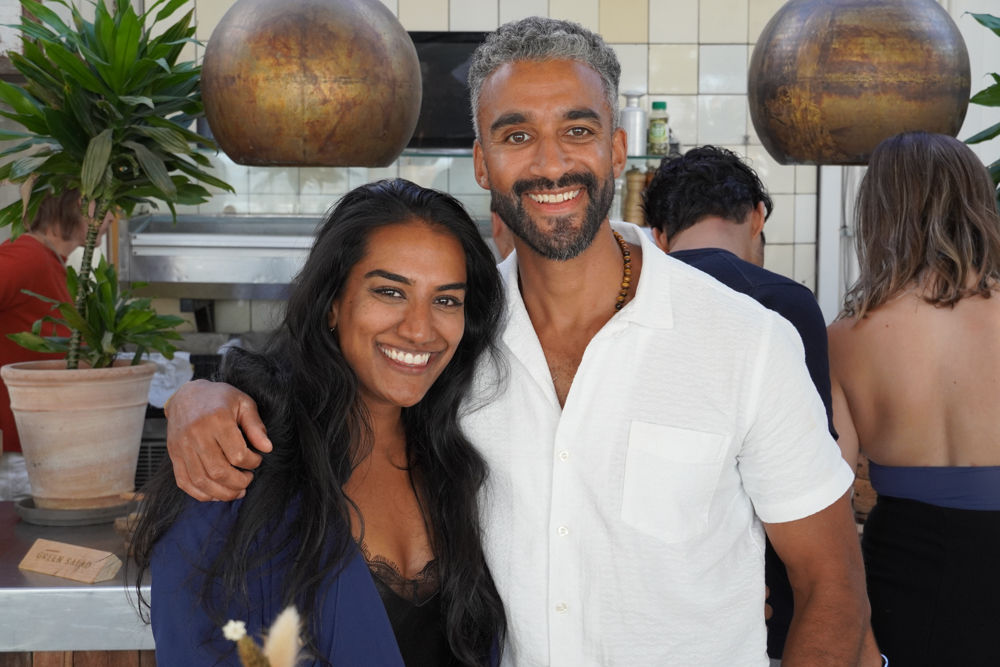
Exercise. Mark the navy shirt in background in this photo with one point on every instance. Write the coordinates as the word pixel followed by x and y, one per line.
pixel 796 303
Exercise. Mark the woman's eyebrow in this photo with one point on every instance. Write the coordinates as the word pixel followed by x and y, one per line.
pixel 379 273
pixel 451 286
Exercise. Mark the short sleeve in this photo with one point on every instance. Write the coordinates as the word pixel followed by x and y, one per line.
pixel 790 465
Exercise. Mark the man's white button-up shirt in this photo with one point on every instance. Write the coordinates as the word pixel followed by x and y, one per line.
pixel 625 528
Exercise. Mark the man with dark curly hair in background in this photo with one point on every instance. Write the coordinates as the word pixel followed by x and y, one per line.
pixel 707 208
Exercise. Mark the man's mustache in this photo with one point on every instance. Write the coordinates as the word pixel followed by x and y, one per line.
pixel 585 179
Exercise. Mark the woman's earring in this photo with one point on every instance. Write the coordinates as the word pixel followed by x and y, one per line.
pixel 333 329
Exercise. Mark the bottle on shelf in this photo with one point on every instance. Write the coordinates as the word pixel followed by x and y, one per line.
pixel 659 129
pixel 633 121
pixel 635 183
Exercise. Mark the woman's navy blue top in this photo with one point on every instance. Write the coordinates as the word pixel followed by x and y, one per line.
pixel 956 487
pixel 355 627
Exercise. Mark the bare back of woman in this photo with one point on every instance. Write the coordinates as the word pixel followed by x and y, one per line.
pixel 920 383
pixel 915 373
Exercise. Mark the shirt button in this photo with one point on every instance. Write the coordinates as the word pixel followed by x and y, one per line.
pixel 564 455
pixel 563 530
pixel 562 608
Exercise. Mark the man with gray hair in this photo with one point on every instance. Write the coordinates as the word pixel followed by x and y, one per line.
pixel 654 423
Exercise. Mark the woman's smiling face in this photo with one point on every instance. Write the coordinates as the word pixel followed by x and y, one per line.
pixel 401 315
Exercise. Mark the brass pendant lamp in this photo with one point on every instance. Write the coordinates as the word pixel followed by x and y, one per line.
pixel 311 83
pixel 830 79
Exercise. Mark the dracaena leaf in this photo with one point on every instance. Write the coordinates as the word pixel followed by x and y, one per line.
pixel 73 318
pixel 37 31
pixel 9 135
pixel 67 131
pixel 180 128
pixel 78 104
pixel 38 77
pixel 18 148
pixel 34 55
pixel 171 7
pixel 985 135
pixel 989 97
pixel 34 124
pixel 104 32
pixel 168 139
pixel 32 341
pixel 137 100
pixel 152 165
pixel 19 100
pixel 991 22
pixel 76 68
pixel 72 284
pixel 126 42
pixel 95 162
pixel 23 167
pixel 41 297
pixel 45 15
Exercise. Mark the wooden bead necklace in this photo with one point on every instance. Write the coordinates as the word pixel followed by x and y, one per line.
pixel 627 276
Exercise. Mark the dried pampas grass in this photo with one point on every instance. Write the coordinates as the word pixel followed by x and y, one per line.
pixel 282 647
pixel 283 644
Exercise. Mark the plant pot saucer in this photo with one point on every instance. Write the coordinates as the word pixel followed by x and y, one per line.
pixel 26 509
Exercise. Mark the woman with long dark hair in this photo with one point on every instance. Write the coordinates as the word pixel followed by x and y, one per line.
pixel 364 515
pixel 915 369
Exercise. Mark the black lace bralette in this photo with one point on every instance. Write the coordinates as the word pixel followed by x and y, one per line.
pixel 414 610
pixel 416 591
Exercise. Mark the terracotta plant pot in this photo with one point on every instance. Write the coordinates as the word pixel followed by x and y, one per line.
pixel 80 430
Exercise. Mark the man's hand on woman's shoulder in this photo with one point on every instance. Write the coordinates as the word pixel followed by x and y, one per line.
pixel 205 443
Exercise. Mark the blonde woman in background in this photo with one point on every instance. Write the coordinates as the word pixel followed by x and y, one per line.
pixel 915 368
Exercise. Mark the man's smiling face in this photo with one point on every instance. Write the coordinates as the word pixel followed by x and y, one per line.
pixel 549 153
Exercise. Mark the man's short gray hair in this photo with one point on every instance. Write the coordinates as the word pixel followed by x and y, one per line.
pixel 538 39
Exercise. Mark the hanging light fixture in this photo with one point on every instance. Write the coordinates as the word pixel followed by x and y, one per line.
pixel 311 83
pixel 830 79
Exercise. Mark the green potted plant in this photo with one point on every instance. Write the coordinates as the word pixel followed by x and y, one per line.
pixel 106 108
pixel 989 97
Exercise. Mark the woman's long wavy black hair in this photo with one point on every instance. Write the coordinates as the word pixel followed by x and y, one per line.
pixel 309 399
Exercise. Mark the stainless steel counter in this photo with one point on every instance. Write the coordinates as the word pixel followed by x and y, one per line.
pixel 43 613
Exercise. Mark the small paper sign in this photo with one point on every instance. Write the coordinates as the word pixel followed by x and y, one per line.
pixel 88 566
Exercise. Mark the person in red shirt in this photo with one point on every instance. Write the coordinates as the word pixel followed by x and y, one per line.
pixel 35 261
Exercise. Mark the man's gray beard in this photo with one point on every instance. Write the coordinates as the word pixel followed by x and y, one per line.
pixel 563 242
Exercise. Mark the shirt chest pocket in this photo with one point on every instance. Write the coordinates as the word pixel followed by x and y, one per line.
pixel 670 477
